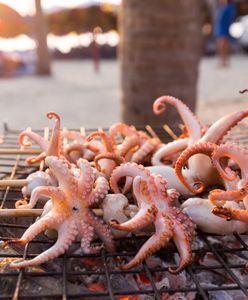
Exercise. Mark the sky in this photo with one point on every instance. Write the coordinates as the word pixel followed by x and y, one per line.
pixel 25 7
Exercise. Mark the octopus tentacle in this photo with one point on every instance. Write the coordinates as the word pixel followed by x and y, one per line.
pixel 147 210
pixel 54 144
pixel 190 120
pixel 86 233
pixel 102 230
pixel 108 155
pixel 121 129
pixel 161 237
pixel 53 192
pixel 237 153
pixel 48 221
pixel 106 139
pixel 183 235
pixel 128 169
pixel 219 197
pixel 36 159
pixel 231 213
pixel 147 148
pixel 64 175
pixel 33 137
pixel 168 150
pixel 73 135
pixel 86 180
pixel 144 217
pixel 205 148
pixel 100 191
pixel 85 150
pixel 128 144
pixel 66 234
pixel 221 127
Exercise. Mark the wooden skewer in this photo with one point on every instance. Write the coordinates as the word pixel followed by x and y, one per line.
pixel 19 151
pixel 5 212
pixel 13 182
pixel 65 140
pixel 46 138
pixel 152 132
pixel 169 131
pixel 33 212
pixel 82 131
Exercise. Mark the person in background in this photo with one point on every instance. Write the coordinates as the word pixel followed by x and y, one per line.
pixel 225 16
pixel 96 49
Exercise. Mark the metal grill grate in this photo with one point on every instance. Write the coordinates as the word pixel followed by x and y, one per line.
pixel 66 276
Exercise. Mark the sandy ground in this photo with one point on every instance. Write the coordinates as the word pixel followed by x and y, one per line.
pixel 84 99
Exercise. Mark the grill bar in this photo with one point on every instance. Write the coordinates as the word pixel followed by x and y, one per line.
pixel 221 260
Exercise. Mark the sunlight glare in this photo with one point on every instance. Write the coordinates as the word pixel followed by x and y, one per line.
pixel 20 43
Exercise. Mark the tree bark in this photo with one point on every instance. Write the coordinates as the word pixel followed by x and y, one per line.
pixel 43 57
pixel 160 50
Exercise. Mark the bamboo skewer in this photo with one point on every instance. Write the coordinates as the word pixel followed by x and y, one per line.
pixel 19 151
pixel 6 212
pixel 46 138
pixel 170 131
pixel 152 132
pixel 33 212
pixel 82 131
pixel 13 183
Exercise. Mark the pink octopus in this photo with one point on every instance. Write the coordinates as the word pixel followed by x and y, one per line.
pixel 71 213
pixel 48 148
pixel 200 167
pixel 239 193
pixel 54 146
pixel 137 145
pixel 155 207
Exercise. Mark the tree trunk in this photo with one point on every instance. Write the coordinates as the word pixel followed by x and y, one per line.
pixel 43 57
pixel 160 50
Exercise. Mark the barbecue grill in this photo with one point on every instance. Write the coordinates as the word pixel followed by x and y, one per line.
pixel 80 276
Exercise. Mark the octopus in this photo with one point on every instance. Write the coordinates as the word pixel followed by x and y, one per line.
pixel 108 159
pixel 137 145
pixel 48 148
pixel 34 180
pixel 79 148
pixel 239 193
pixel 193 128
pixel 71 214
pixel 54 147
pixel 200 167
pixel 200 209
pixel 117 206
pixel 156 206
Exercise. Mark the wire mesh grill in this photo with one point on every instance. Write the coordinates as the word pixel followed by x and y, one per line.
pixel 72 276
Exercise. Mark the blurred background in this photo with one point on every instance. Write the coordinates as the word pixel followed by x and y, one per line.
pixel 97 62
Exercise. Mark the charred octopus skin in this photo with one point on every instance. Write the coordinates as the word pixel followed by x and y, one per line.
pixel 71 213
pixel 156 206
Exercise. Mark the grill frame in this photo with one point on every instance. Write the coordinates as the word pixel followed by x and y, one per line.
pixel 13 166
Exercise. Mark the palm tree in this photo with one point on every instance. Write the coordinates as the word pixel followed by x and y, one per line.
pixel 160 50
pixel 43 63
